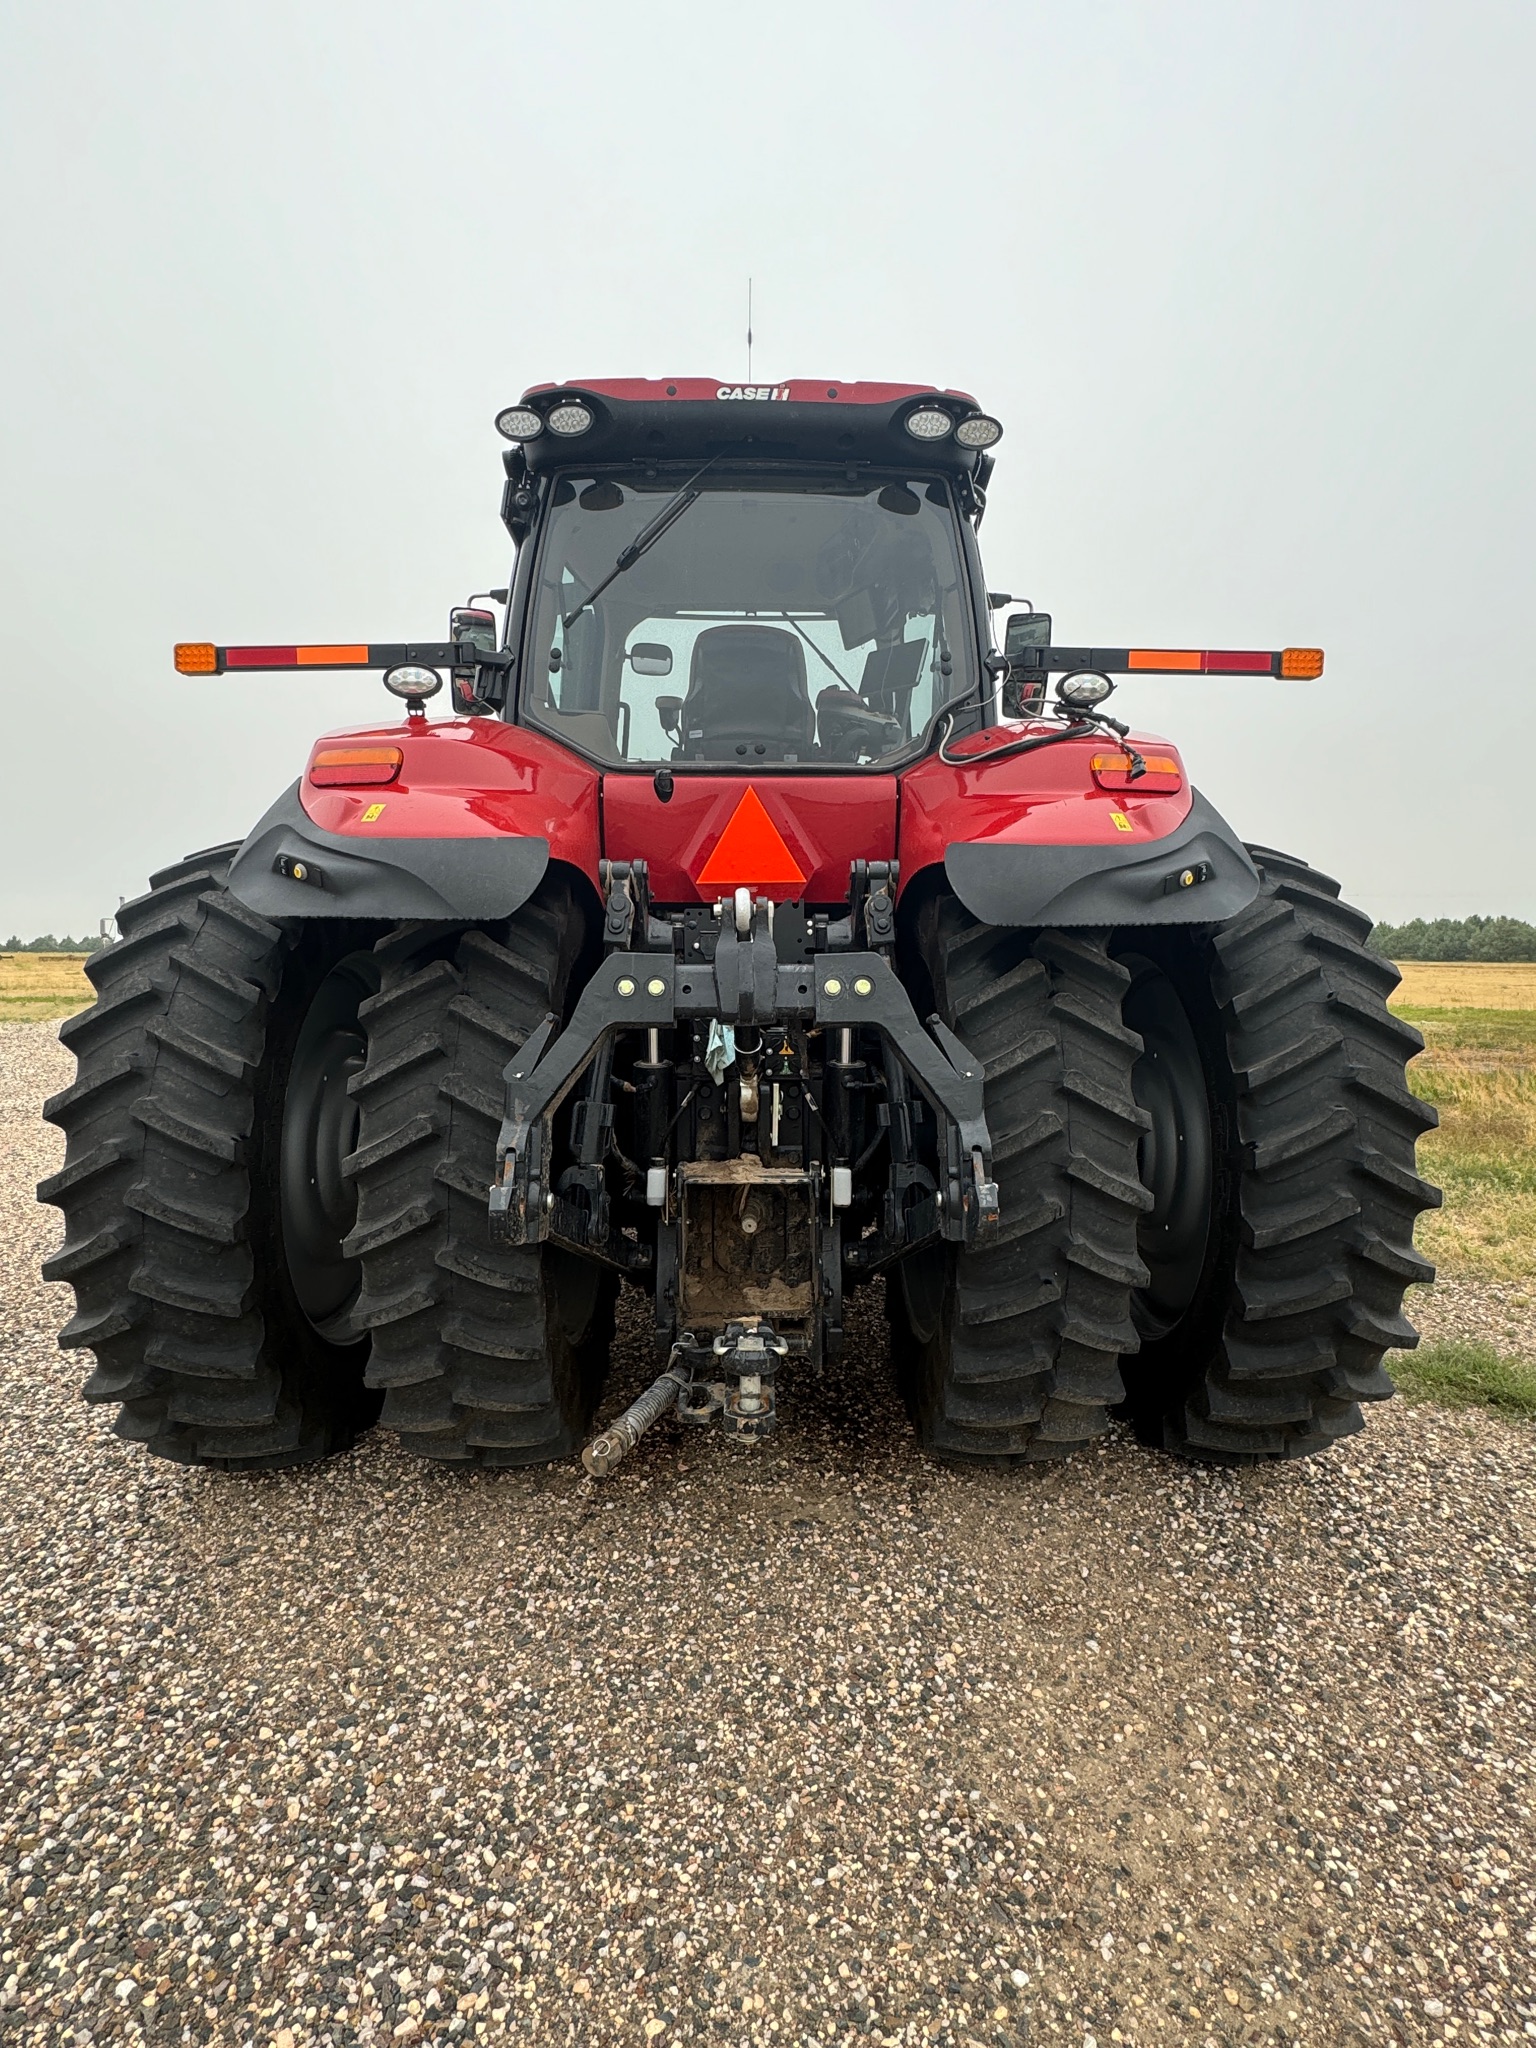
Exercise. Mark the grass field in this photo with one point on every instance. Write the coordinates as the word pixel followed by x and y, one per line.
pixel 1478 1067
pixel 42 985
pixel 1466 985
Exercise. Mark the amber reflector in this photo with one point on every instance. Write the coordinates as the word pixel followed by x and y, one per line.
pixel 1301 664
pixel 355 767
pixel 1176 659
pixel 1162 775
pixel 354 655
pixel 196 658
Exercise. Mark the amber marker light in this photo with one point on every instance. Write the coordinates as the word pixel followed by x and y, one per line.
pixel 1161 776
pixel 355 767
pixel 196 658
pixel 1301 664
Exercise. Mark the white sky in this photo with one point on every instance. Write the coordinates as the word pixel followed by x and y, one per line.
pixel 1250 285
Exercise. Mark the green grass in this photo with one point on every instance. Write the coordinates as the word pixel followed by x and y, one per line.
pixel 1483 1155
pixel 1507 1034
pixel 1467 1375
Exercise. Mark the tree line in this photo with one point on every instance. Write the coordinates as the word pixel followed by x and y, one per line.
pixel 1435 938
pixel 1456 938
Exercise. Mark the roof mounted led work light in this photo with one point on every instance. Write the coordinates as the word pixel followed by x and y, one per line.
pixel 979 431
pixel 929 423
pixel 570 418
pixel 519 423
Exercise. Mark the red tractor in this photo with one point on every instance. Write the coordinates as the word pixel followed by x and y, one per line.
pixel 755 928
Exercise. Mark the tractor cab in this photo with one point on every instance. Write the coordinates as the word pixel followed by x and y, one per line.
pixel 761 577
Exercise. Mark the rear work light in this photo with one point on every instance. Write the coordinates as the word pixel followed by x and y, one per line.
pixel 570 419
pixel 355 767
pixel 519 423
pixel 929 423
pixel 1161 777
pixel 979 431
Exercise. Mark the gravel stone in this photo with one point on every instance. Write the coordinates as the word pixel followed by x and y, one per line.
pixel 1496 1312
pixel 824 1743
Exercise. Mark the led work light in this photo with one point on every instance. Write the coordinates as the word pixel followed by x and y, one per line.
pixel 1083 688
pixel 519 423
pixel 570 419
pixel 412 682
pixel 929 423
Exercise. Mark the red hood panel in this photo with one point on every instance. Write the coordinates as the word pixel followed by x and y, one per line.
pixel 824 824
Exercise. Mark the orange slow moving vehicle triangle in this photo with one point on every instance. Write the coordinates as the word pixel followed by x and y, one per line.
pixel 750 850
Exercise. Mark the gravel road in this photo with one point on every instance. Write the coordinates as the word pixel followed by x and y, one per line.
pixel 823 1743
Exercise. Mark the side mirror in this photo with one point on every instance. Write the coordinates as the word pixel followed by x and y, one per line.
pixel 1026 629
pixel 474 628
pixel 1024 686
pixel 670 711
pixel 650 658
pixel 475 632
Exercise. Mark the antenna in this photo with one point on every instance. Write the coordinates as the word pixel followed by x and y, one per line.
pixel 749 330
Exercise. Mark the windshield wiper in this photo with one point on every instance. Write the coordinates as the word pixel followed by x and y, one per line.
pixel 647 538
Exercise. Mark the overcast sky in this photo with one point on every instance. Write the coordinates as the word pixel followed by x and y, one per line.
pixel 1250 285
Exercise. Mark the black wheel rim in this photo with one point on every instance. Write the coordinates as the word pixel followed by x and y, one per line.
pixel 319 1131
pixel 922 1278
pixel 1176 1153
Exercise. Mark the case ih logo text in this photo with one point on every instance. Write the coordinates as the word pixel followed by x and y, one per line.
pixel 753 391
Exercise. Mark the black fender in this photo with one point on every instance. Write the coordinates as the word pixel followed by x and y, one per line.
pixel 1140 882
pixel 289 867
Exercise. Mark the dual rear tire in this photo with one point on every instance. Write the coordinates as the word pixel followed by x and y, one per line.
pixel 280 1144
pixel 1205 1144
pixel 278 1151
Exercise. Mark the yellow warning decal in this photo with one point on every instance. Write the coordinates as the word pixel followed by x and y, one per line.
pixel 1120 821
pixel 373 812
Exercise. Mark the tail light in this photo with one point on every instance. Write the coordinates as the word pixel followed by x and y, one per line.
pixel 1161 776
pixel 355 767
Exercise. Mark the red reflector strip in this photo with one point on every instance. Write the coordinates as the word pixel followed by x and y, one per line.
pixel 353 654
pixel 1220 662
pixel 261 657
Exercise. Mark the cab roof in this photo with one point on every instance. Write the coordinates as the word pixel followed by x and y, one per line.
pixel 696 418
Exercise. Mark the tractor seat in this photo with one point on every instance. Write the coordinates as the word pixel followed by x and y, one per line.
pixel 747 698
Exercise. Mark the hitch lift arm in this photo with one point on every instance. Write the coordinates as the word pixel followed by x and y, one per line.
pixel 745 982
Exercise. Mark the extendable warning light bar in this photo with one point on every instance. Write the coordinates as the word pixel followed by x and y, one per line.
pixel 200 658
pixel 1296 664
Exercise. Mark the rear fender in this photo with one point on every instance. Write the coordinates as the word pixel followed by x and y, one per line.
pixel 477 814
pixel 1199 873
pixel 1033 840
